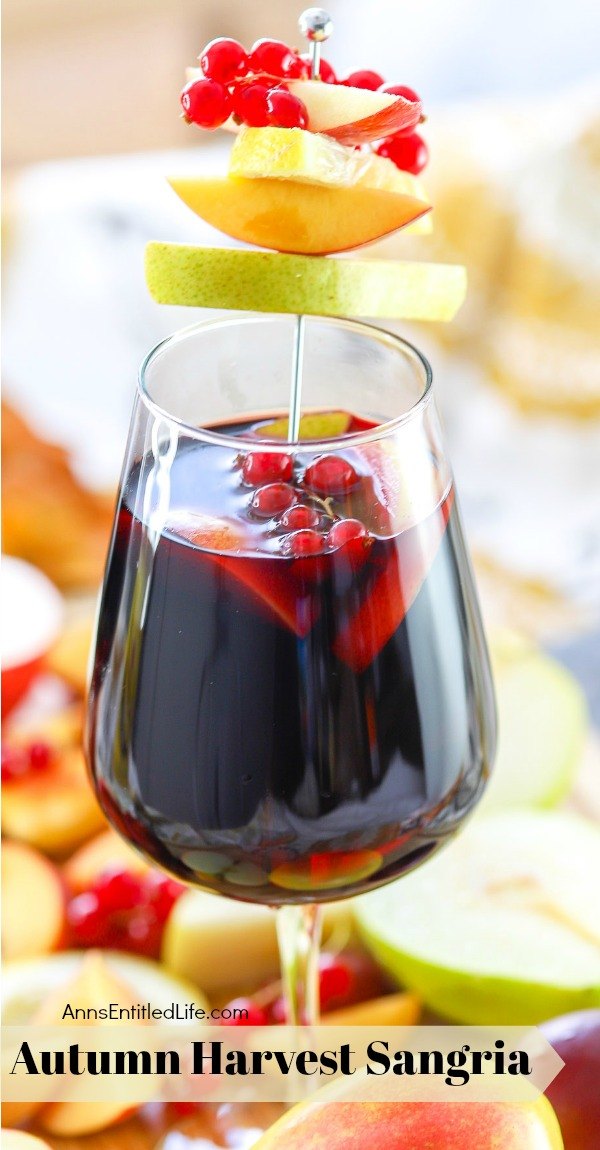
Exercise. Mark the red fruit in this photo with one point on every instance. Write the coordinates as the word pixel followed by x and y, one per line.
pixel 345 531
pixel 162 893
pixel 326 72
pixel 184 1109
pixel 117 890
pixel 206 103
pixel 15 763
pixel 408 152
pixel 267 467
pixel 273 499
pixel 330 475
pixel 249 103
pixel 285 110
pixel 40 756
pixel 143 932
pixel 223 59
pixel 276 59
pixel 87 920
pixel 363 79
pixel 402 90
pixel 252 1014
pixel 299 518
pixel 304 543
pixel 335 981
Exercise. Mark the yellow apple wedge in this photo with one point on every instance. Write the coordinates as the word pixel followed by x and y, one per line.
pixel 269 282
pixel 29 879
pixel 289 216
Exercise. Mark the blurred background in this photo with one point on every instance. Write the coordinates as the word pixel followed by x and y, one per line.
pixel 91 129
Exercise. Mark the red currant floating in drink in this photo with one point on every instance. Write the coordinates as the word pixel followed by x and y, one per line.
pixel 331 475
pixel 409 152
pixel 267 467
pixel 404 91
pixel 286 110
pixel 223 59
pixel 276 59
pixel 299 518
pixel 249 103
pixel 273 499
pixel 206 103
pixel 303 543
pixel 244 1012
pixel 346 531
pixel 363 78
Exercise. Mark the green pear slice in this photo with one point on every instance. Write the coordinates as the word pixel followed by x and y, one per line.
pixel 502 927
pixel 542 724
pixel 311 285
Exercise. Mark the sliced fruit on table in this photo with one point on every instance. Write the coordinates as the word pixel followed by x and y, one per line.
pixel 332 1120
pixel 31 622
pixel 206 934
pixel 574 1093
pixel 70 654
pixel 503 927
pixel 297 217
pixel 267 282
pixel 107 851
pixel 53 809
pixel 30 880
pixel 354 115
pixel 402 1009
pixel 19 1140
pixel 542 725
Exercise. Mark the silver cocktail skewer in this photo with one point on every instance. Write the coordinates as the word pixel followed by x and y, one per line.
pixel 316 25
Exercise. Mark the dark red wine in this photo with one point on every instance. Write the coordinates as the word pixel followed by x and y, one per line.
pixel 285 706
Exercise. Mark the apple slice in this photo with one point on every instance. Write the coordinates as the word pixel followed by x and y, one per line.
pixel 106 851
pixel 262 281
pixel 29 879
pixel 400 1009
pixel 354 115
pixel 69 656
pixel 542 726
pixel 503 927
pixel 297 217
pixel 313 425
pixel 32 619
pixel 19 1140
pixel 55 809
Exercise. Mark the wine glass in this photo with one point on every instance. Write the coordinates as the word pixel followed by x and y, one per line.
pixel 291 699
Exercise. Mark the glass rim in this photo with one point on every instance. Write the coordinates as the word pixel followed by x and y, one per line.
pixel 397 342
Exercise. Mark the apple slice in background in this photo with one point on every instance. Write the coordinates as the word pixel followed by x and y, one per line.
pixel 290 216
pixel 106 851
pixel 354 115
pixel 54 809
pixel 30 881
pixel 575 1092
pixel 32 615
pixel 19 1140
pixel 542 726
pixel 273 282
pixel 502 927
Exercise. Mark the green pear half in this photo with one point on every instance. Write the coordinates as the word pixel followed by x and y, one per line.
pixel 502 927
pixel 302 285
pixel 542 726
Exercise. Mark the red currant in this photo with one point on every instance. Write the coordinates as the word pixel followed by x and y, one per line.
pixel 185 1109
pixel 267 467
pixel 117 890
pixel 276 59
pixel 402 90
pixel 299 518
pixel 40 756
pixel 253 1015
pixel 345 531
pixel 363 79
pixel 249 102
pixel 273 499
pixel 87 920
pixel 410 152
pixel 304 543
pixel 206 103
pixel 15 763
pixel 335 981
pixel 326 72
pixel 143 932
pixel 162 893
pixel 330 475
pixel 286 110
pixel 223 59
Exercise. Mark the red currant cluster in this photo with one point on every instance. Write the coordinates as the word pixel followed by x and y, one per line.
pixel 20 761
pixel 338 985
pixel 247 85
pixel 308 526
pixel 251 87
pixel 123 911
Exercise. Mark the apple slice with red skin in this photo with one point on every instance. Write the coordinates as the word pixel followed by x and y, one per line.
pixel 394 589
pixel 354 115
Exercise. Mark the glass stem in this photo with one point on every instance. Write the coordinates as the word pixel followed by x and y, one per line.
pixel 299 937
